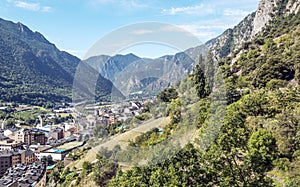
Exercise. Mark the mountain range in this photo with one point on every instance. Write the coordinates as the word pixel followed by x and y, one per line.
pixel 132 74
pixel 34 71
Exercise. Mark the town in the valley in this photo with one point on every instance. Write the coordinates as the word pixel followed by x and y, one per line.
pixel 35 140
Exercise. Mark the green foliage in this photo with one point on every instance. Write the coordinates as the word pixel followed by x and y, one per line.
pixel 175 111
pixel 10 123
pixel 168 94
pixel 273 69
pixel 100 131
pixel 199 79
pixel 270 60
pixel 184 169
pixel 294 182
pixel 282 164
pixel 288 128
pixel 149 138
pixel 112 129
pixel 104 170
pixel 262 149
pixel 274 84
pixel 143 116
pixel 33 71
pixel 87 166
pixel 204 111
pixel 268 44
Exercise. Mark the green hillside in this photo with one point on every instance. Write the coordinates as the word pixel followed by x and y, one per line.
pixel 34 71
pixel 255 143
pixel 258 144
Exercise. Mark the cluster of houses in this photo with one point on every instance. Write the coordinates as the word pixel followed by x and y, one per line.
pixel 22 149
pixel 22 174
pixel 26 147
pixel 118 112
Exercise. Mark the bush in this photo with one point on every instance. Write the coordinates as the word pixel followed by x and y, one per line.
pixel 282 164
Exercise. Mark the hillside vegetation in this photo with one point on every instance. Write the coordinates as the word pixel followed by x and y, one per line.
pixel 34 71
pixel 253 141
pixel 258 143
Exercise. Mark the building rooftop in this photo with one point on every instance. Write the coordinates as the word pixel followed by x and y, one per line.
pixel 23 175
pixel 5 153
pixel 57 129
pixel 9 142
pixel 2 137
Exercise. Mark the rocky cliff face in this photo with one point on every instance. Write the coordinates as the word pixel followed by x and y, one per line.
pixel 250 26
pixel 263 15
pixel 268 9
pixel 293 7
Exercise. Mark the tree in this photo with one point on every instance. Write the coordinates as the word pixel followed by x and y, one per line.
pixel 210 71
pixel 10 123
pixel 175 111
pixel 262 150
pixel 168 94
pixel 87 166
pixel 60 166
pixel 104 170
pixel 47 159
pixel 199 79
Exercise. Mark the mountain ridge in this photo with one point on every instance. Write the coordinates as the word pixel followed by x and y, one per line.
pixel 226 43
pixel 33 70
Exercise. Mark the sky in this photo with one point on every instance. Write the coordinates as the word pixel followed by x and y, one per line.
pixel 76 25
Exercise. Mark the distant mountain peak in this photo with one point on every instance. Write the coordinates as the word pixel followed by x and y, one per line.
pixel 21 28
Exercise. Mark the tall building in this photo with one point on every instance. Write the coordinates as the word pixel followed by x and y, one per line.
pixel 57 133
pixel 5 161
pixel 18 156
pixel 30 136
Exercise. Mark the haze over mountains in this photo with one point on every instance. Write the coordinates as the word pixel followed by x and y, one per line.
pixel 131 74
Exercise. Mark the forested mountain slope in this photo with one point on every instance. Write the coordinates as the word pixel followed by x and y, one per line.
pixel 33 70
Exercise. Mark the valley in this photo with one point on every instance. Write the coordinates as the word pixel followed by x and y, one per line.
pixel 223 113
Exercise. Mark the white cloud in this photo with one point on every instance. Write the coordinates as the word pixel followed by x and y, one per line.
pixel 46 9
pixel 142 31
pixel 127 4
pixel 195 10
pixel 134 4
pixel 31 6
pixel 205 31
pixel 235 12
pixel 170 28
pixel 28 6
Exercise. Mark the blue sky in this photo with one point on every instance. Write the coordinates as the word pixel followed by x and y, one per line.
pixel 75 25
